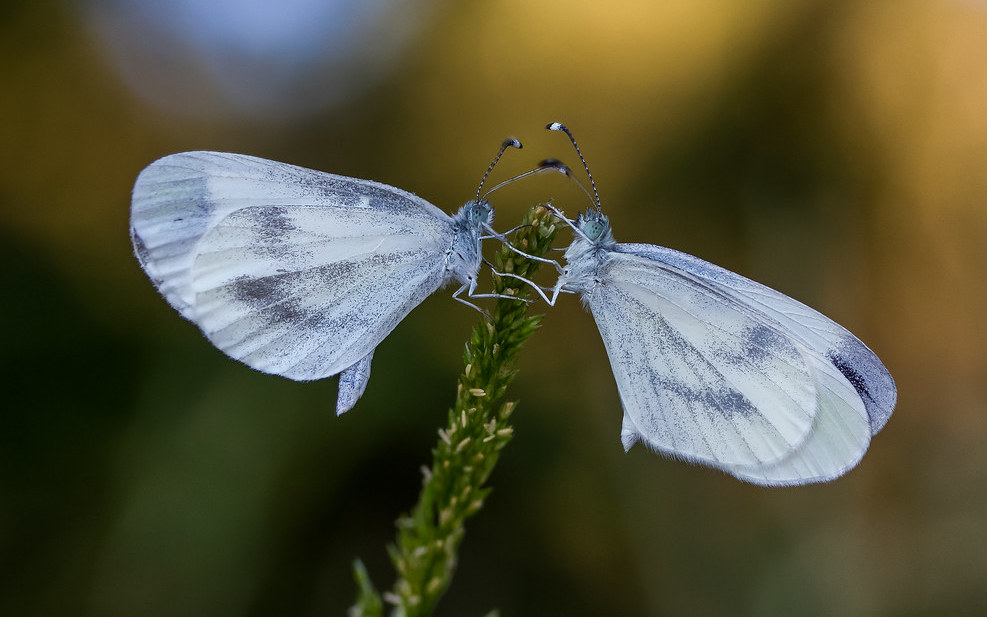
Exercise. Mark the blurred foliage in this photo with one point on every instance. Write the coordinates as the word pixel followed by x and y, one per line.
pixel 833 150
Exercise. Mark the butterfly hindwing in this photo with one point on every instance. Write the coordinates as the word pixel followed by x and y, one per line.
pixel 699 378
pixel 318 294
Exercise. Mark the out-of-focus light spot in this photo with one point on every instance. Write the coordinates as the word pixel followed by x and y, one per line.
pixel 253 57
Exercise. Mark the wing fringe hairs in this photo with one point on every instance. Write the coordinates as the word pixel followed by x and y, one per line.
pixel 454 488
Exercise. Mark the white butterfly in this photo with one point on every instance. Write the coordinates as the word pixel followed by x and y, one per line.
pixel 720 370
pixel 296 272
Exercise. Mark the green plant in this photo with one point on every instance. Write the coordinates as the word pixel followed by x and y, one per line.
pixel 455 486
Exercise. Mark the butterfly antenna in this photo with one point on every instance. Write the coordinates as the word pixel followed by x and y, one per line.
pixel 558 126
pixel 546 166
pixel 508 143
pixel 564 170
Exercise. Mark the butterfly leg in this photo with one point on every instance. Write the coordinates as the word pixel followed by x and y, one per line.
pixel 494 234
pixel 456 294
pixel 503 238
pixel 568 221
pixel 555 294
pixel 352 382
pixel 499 236
pixel 502 296
pixel 538 289
pixel 534 257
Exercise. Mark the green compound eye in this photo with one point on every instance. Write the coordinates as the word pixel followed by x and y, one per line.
pixel 594 230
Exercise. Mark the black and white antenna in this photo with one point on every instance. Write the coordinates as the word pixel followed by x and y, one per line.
pixel 508 143
pixel 562 168
pixel 558 126
pixel 546 166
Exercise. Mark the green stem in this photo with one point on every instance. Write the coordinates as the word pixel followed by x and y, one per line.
pixel 478 428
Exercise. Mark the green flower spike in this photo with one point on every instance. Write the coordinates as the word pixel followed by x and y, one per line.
pixel 453 489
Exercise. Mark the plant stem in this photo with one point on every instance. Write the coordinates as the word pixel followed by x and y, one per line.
pixel 453 488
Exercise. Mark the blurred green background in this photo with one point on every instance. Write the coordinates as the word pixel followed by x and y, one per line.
pixel 834 150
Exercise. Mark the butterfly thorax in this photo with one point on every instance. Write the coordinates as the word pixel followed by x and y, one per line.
pixel 463 257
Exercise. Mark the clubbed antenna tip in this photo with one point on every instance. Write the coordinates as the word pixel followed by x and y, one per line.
pixel 510 142
pixel 557 165
pixel 562 168
pixel 558 126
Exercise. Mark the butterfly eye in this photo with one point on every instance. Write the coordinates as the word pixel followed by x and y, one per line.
pixel 593 229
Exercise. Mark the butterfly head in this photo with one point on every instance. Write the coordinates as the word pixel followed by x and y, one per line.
pixel 592 240
pixel 476 214
pixel 595 226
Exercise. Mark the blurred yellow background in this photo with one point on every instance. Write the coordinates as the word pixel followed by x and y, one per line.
pixel 836 151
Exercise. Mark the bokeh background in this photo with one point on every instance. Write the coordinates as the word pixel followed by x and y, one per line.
pixel 835 150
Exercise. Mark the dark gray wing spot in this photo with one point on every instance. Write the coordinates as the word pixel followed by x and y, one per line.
pixel 852 375
pixel 272 230
pixel 275 223
pixel 273 294
pixel 279 297
pixel 350 193
pixel 728 401
pixel 140 249
pixel 763 342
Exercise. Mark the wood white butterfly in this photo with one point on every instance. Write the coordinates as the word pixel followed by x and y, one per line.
pixel 296 272
pixel 717 369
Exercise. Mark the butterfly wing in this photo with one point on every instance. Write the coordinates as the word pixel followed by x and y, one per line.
pixel 837 442
pixel 709 375
pixel 292 271
pixel 698 378
pixel 851 357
